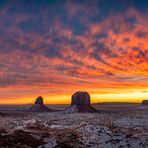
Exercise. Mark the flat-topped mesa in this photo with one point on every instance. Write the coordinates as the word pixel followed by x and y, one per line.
pixel 39 106
pixel 81 103
pixel 145 102
pixel 80 98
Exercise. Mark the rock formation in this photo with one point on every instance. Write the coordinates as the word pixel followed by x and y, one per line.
pixel 81 103
pixel 145 102
pixel 80 98
pixel 39 106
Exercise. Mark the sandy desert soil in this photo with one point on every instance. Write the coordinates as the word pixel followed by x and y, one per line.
pixel 115 126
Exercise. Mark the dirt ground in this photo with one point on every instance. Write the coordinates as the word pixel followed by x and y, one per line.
pixel 116 125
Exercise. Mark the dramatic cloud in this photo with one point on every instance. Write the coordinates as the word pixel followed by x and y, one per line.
pixel 51 47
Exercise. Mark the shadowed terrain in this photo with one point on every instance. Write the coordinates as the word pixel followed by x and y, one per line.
pixel 115 125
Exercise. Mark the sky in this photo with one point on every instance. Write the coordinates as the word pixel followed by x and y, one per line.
pixel 52 48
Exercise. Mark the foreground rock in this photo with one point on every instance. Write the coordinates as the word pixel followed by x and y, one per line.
pixel 39 106
pixel 81 103
pixel 78 130
pixel 19 138
pixel 145 102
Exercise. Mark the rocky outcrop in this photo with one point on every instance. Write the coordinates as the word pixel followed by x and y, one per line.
pixel 39 106
pixel 145 102
pixel 39 100
pixel 81 103
pixel 80 98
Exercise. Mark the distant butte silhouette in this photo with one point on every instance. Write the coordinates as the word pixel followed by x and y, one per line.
pixel 39 106
pixel 81 103
pixel 145 102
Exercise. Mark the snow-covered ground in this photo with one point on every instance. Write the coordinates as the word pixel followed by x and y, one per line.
pixel 112 127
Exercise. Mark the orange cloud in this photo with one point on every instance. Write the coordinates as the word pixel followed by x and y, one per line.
pixel 58 57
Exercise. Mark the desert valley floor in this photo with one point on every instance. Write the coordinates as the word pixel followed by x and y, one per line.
pixel 116 125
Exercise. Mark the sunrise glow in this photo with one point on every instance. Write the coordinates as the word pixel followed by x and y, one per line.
pixel 53 49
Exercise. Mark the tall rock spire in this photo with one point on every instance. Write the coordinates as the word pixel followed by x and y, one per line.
pixel 39 106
